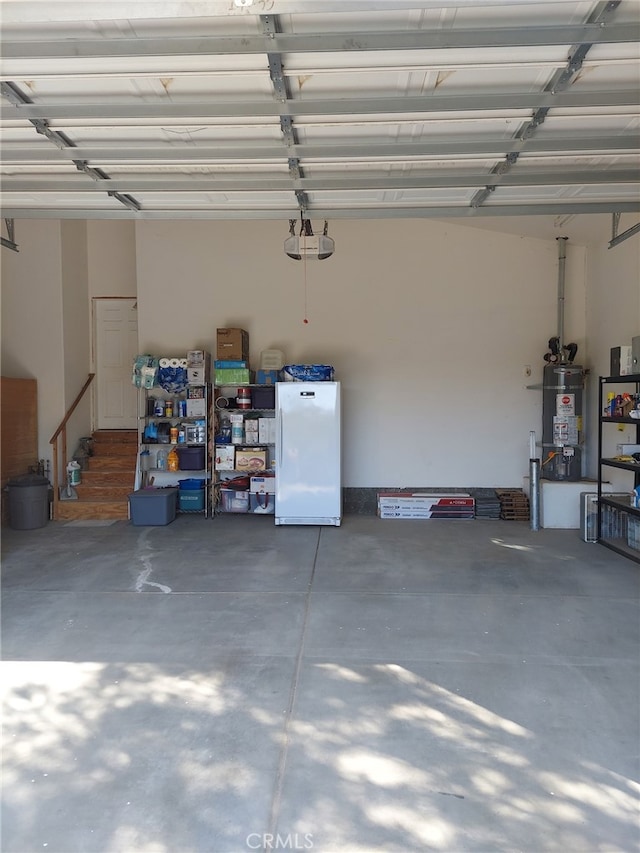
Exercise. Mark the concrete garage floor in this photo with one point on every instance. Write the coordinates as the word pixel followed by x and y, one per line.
pixel 231 686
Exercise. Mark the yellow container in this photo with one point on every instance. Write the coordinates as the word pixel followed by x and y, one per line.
pixel 173 461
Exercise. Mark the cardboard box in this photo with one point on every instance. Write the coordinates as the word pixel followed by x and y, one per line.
pixel 266 430
pixel 267 377
pixel 424 505
pixel 251 459
pixel 418 513
pixel 199 374
pixel 198 357
pixel 196 401
pixel 264 484
pixel 230 364
pixel 232 344
pixel 225 458
pixel 424 500
pixel 621 361
pixel 196 408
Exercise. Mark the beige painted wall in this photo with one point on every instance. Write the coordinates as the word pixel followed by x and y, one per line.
pixel 32 319
pixel 428 325
pixel 111 251
pixel 76 324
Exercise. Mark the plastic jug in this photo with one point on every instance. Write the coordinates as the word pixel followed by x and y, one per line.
pixel 173 460
pixel 73 473
pixel 145 460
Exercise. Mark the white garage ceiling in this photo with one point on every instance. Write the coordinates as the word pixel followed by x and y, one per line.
pixel 232 109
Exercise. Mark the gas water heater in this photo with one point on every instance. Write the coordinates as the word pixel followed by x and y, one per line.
pixel 562 430
pixel 562 398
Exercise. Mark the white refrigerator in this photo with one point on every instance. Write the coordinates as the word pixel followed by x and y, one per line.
pixel 308 455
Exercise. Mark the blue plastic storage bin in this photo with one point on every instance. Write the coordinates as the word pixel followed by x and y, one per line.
pixel 191 500
pixel 191 484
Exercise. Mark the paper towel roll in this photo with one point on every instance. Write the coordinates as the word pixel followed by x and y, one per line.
pixel 164 362
pixel 174 362
pixel 183 362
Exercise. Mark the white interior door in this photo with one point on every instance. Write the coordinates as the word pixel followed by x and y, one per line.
pixel 116 349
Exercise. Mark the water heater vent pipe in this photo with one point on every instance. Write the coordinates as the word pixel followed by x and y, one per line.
pixel 562 258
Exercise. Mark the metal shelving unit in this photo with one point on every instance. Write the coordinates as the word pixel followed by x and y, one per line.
pixel 222 474
pixel 197 434
pixel 618 523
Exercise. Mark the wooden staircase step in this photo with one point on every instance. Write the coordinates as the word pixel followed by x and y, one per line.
pixel 102 493
pixel 115 436
pixel 106 480
pixel 108 477
pixel 112 463
pixel 93 510
pixel 108 449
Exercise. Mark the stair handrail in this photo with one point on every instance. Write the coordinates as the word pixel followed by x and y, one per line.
pixel 53 441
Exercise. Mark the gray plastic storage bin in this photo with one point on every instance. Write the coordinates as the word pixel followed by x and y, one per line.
pixel 28 502
pixel 153 506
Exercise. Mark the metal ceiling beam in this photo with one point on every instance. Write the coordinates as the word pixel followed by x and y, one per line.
pixel 468 102
pixel 61 141
pixel 17 11
pixel 336 42
pixel 9 241
pixel 199 184
pixel 15 152
pixel 617 238
pixel 559 81
pixel 291 212
pixel 281 93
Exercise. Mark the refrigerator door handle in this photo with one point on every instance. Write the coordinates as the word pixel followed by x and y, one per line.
pixel 281 445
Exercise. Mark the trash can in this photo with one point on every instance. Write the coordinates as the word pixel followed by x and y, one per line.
pixel 28 502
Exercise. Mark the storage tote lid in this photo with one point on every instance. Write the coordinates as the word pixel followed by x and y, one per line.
pixel 28 480
pixel 153 493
